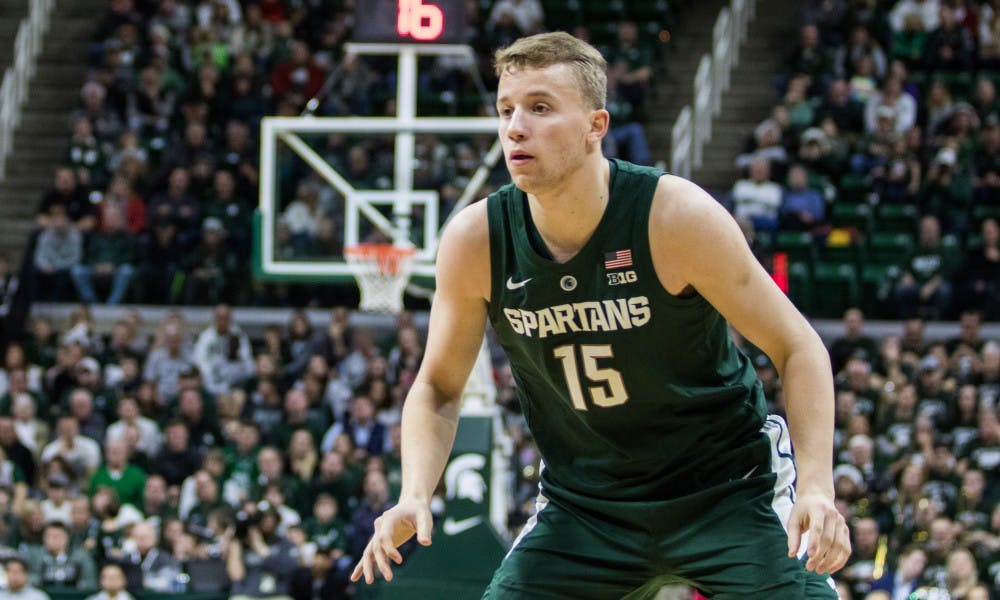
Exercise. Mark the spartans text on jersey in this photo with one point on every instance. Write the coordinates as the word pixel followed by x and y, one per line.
pixel 606 315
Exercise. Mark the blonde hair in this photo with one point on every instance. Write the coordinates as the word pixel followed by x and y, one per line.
pixel 559 48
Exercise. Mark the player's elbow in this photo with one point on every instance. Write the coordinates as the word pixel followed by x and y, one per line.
pixel 801 346
pixel 438 392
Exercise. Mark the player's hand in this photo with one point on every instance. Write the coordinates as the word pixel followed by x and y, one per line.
pixel 829 539
pixel 392 529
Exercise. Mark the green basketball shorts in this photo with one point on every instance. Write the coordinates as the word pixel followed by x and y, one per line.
pixel 728 541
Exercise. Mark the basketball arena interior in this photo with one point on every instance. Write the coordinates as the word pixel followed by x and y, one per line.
pixel 218 230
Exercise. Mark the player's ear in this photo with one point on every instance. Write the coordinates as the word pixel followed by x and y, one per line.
pixel 600 119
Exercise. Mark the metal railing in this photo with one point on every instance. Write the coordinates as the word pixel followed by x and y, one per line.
pixel 693 127
pixel 704 98
pixel 17 77
pixel 680 137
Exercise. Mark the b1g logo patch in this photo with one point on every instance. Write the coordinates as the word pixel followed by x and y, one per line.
pixel 622 277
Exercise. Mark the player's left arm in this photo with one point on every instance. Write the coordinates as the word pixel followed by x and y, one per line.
pixel 696 243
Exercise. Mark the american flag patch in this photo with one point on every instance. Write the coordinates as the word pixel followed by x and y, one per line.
pixel 619 259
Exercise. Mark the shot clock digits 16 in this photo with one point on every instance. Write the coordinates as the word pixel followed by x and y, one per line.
pixel 410 21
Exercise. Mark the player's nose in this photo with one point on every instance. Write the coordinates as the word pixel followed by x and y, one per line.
pixel 516 125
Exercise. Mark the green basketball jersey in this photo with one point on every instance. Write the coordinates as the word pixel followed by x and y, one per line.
pixel 631 393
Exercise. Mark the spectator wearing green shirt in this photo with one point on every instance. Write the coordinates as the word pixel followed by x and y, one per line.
pixel 207 500
pixel 810 57
pixel 212 267
pixel 235 213
pixel 325 528
pixel 109 256
pixel 630 68
pixel 241 456
pixel 925 287
pixel 336 479
pixel 116 473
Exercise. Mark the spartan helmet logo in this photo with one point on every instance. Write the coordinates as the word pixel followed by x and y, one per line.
pixel 463 480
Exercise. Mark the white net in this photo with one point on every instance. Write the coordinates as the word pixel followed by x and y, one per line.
pixel 382 272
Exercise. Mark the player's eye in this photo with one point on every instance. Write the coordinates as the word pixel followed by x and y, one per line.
pixel 541 108
pixel 506 111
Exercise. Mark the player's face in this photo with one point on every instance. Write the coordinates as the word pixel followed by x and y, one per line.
pixel 545 129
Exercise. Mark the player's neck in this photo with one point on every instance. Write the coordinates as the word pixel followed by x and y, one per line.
pixel 567 216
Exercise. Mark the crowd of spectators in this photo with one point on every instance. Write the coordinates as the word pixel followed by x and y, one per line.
pixel 154 200
pixel 890 108
pixel 186 457
pixel 917 448
pixel 198 461
pixel 170 461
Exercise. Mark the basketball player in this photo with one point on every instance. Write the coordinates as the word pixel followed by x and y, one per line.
pixel 610 286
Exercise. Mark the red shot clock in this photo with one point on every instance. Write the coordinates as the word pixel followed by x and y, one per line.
pixel 410 21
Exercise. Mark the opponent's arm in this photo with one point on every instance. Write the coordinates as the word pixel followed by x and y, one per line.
pixel 431 410
pixel 696 242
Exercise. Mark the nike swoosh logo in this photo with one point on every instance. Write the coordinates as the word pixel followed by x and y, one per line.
pixel 512 285
pixel 453 527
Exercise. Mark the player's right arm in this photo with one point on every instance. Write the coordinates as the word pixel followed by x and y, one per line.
pixel 431 410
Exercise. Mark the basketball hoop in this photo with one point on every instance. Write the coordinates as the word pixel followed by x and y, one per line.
pixel 382 271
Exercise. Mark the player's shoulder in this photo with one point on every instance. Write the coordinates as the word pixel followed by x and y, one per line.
pixel 469 226
pixel 689 229
pixel 463 258
pixel 679 204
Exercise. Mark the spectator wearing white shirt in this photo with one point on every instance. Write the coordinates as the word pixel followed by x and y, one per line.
pixel 222 353
pixel 33 432
pixel 927 10
pixel 150 436
pixel 303 214
pixel 17 587
pixel 57 505
pixel 756 200
pixel 767 145
pixel 112 584
pixel 526 14
pixel 893 96
pixel 81 452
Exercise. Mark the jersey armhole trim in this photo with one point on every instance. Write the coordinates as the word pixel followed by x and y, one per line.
pixel 495 217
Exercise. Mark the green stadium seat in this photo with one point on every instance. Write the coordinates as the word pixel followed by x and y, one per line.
pixel 604 10
pixel 433 105
pixel 897 218
pixel 889 248
pixel 959 83
pixel 952 249
pixel 858 215
pixel 876 289
pixel 651 11
pixel 764 241
pixel 800 285
pixel 957 217
pixel 604 33
pixel 469 105
pixel 562 14
pixel 852 254
pixel 981 212
pixel 797 244
pixel 854 188
pixel 835 289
